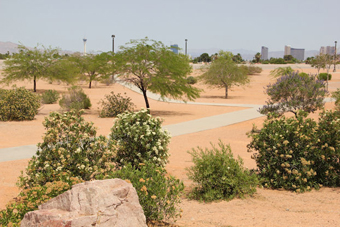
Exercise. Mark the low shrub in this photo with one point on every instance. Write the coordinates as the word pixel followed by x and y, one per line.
pixel 18 104
pixel 140 138
pixel 29 200
pixel 254 69
pixel 218 176
pixel 115 104
pixel 50 97
pixel 336 96
pixel 281 71
pixel 283 146
pixel 191 80
pixel 69 146
pixel 158 192
pixel 303 74
pixel 75 99
pixel 323 76
pixel 297 153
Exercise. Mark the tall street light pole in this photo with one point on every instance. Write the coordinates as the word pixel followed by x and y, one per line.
pixel 186 46
pixel 113 43
pixel 335 58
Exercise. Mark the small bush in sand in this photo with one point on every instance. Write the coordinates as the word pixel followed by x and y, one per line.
pixel 115 104
pixel 50 97
pixel 18 104
pixel 75 99
pixel 218 175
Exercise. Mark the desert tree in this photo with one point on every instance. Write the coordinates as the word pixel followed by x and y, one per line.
pixel 257 57
pixel 34 64
pixel 291 93
pixel 224 73
pixel 94 67
pixel 152 66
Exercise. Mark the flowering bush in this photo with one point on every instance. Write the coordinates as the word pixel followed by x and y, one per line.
pixel 140 138
pixel 29 200
pixel 18 104
pixel 69 146
pixel 218 175
pixel 50 97
pixel 75 99
pixel 158 192
pixel 292 92
pixel 298 153
pixel 114 105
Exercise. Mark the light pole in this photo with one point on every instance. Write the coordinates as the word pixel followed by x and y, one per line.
pixel 84 40
pixel 335 58
pixel 186 47
pixel 113 43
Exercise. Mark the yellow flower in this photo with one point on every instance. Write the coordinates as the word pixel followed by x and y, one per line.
pixel 141 180
pixel 168 202
pixel 153 197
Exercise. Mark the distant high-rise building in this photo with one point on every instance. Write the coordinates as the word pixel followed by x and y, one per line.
pixel 299 54
pixel 287 50
pixel 174 48
pixel 327 50
pixel 264 53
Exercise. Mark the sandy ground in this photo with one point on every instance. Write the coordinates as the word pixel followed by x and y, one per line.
pixel 266 208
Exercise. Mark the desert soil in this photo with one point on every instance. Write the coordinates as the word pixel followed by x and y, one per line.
pixel 266 208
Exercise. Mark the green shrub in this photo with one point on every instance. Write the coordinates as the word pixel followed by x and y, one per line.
pixel 18 104
pixel 69 146
pixel 50 97
pixel 327 155
pixel 323 76
pixel 29 200
pixel 281 71
pixel 191 80
pixel 218 176
pixel 254 69
pixel 292 93
pixel 114 105
pixel 158 192
pixel 140 138
pixel 75 99
pixel 336 96
pixel 302 74
pixel 283 148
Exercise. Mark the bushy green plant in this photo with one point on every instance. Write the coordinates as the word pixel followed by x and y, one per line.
pixel 191 80
pixel 18 104
pixel 218 175
pixel 29 200
pixel 254 69
pixel 283 148
pixel 69 146
pixel 292 92
pixel 140 138
pixel 323 76
pixel 336 96
pixel 158 192
pixel 75 99
pixel 50 97
pixel 303 74
pixel 281 71
pixel 115 104
pixel 327 155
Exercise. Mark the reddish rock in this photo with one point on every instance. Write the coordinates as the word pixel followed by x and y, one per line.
pixel 110 203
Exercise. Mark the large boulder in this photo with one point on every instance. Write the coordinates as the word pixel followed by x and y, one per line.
pixel 112 202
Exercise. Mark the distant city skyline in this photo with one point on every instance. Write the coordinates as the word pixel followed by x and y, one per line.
pixel 206 24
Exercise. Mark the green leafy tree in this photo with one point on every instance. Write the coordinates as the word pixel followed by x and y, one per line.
pixel 151 66
pixel 34 64
pixel 225 73
pixel 205 57
pixel 238 58
pixel 94 67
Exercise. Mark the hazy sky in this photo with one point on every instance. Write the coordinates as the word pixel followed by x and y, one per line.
pixel 207 24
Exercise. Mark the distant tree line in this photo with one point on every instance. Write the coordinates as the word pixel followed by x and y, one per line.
pixel 206 58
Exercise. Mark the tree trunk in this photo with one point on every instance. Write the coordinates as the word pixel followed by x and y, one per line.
pixel 146 99
pixel 35 84
pixel 226 92
pixel 90 84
